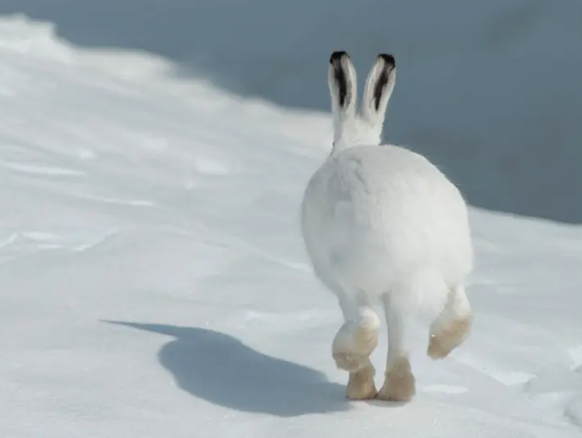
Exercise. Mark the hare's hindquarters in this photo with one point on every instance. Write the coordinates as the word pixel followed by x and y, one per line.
pixel 383 223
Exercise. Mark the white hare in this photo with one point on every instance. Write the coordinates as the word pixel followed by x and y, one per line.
pixel 382 224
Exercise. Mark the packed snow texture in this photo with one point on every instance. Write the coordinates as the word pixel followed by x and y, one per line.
pixel 490 90
pixel 154 282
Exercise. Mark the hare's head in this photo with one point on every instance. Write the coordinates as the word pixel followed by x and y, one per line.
pixel 353 127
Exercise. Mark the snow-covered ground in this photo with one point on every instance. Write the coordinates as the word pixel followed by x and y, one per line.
pixel 154 284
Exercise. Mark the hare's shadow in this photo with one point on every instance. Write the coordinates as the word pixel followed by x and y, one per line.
pixel 222 370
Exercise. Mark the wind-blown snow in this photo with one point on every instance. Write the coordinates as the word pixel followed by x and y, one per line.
pixel 154 282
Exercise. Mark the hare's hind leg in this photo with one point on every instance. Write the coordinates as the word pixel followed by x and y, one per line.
pixel 399 383
pixel 354 343
pixel 452 326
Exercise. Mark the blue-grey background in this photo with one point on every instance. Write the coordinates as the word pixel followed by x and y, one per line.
pixel 491 90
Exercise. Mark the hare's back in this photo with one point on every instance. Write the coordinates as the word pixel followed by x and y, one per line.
pixel 397 195
pixel 387 167
pixel 390 175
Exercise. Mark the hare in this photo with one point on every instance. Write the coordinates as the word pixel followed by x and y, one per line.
pixel 381 224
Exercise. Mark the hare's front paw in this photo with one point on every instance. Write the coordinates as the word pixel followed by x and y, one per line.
pixel 361 384
pixel 400 384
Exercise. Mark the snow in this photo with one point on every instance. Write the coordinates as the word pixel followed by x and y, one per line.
pixel 154 282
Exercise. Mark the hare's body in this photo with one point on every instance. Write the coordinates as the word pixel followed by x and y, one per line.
pixel 381 223
pixel 378 218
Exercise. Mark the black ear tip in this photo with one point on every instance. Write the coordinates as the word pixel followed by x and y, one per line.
pixel 388 59
pixel 337 55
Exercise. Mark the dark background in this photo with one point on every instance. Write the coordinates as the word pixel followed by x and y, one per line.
pixel 489 90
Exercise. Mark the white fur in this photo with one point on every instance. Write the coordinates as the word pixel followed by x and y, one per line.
pixel 380 222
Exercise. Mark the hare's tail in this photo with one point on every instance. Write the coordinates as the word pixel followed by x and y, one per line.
pixel 423 292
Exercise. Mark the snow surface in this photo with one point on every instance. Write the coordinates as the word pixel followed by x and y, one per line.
pixel 154 283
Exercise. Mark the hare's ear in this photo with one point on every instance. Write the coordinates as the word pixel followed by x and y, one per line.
pixel 378 90
pixel 342 85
